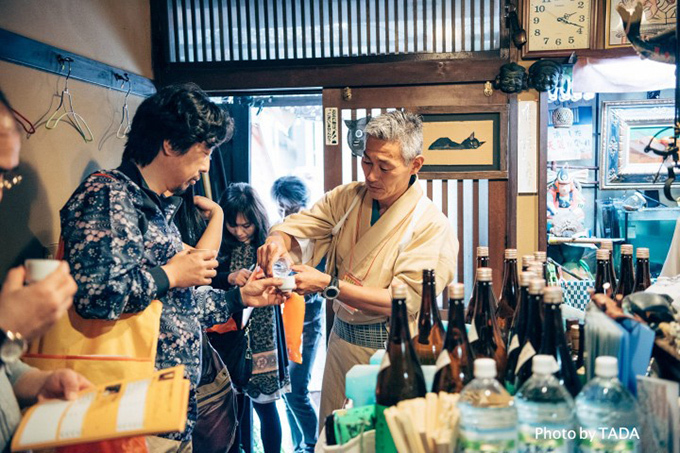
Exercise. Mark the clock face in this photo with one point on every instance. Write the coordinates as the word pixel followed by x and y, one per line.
pixel 558 24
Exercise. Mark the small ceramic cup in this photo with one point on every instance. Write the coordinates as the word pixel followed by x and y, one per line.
pixel 37 269
pixel 288 283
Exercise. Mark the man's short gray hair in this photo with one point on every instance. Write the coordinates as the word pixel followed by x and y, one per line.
pixel 399 126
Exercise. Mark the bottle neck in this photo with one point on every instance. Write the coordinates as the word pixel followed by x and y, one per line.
pixel 602 276
pixel 485 300
pixel 626 276
pixel 399 332
pixel 533 318
pixel 553 330
pixel 510 283
pixel 482 261
pixel 455 332
pixel 429 312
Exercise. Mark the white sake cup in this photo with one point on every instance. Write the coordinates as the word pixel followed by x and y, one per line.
pixel 288 283
pixel 37 269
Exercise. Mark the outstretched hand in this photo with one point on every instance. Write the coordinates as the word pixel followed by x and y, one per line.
pixel 260 291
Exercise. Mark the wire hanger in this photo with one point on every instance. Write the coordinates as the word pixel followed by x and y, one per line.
pixel 73 118
pixel 124 127
pixel 24 122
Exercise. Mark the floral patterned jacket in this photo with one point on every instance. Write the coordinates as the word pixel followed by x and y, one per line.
pixel 117 233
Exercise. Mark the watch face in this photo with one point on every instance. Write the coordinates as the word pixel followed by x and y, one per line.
pixel 558 24
pixel 331 292
pixel 11 350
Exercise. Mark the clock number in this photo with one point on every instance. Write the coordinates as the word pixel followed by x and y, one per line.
pixel 540 9
pixel 545 40
pixel 537 32
pixel 581 18
pixel 536 20
pixel 579 31
pixel 547 1
pixel 571 40
pixel 581 5
pixel 558 41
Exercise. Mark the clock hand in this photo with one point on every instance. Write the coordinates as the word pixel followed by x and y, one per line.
pixel 565 21
pixel 567 15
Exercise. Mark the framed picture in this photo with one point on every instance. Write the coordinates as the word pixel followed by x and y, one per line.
pixel 627 128
pixel 464 144
pixel 657 16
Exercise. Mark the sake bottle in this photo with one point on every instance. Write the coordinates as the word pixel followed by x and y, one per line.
pixel 626 283
pixel 554 340
pixel 534 329
pixel 527 260
pixel 507 303
pixel 400 376
pixel 429 342
pixel 642 277
pixel 609 245
pixel 455 364
pixel 542 259
pixel 603 281
pixel 482 261
pixel 518 330
pixel 485 335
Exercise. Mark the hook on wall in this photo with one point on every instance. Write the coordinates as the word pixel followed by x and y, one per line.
pixel 124 126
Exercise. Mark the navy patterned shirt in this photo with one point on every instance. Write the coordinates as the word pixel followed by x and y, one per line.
pixel 117 233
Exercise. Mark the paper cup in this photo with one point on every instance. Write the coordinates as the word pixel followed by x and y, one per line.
pixel 37 270
pixel 288 283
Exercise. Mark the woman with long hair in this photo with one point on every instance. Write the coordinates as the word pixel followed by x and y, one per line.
pixel 246 227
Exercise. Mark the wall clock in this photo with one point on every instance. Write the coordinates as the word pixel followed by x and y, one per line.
pixel 558 27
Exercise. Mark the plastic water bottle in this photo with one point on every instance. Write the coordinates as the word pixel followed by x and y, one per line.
pixel 488 419
pixel 607 413
pixel 545 410
pixel 281 268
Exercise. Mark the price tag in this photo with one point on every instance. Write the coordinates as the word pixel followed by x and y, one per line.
pixel 442 361
pixel 514 344
pixel 527 353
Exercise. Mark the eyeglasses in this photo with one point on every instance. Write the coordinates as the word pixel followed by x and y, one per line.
pixel 9 179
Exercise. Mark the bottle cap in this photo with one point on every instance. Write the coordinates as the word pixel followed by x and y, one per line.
pixel 575 331
pixel 552 295
pixel 606 366
pixel 544 364
pixel 456 291
pixel 485 368
pixel 510 254
pixel 626 249
pixel 537 269
pixel 527 260
pixel 602 254
pixel 536 286
pixel 484 274
pixel 642 252
pixel 398 291
pixel 607 245
pixel 525 277
pixel 482 251
pixel 541 257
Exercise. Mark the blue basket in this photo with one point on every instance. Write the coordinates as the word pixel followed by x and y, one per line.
pixel 575 292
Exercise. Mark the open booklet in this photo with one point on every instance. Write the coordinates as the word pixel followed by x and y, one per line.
pixel 157 404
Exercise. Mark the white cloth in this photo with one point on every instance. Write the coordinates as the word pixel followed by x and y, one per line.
pixel 622 75
pixel 671 267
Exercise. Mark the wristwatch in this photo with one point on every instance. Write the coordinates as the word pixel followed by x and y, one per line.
pixel 332 291
pixel 12 346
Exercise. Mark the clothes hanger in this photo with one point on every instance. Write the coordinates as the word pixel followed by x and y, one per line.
pixel 124 127
pixel 24 122
pixel 74 119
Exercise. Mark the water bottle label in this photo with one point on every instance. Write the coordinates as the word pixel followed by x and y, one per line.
pixel 600 445
pixel 385 362
pixel 472 333
pixel 443 360
pixel 514 344
pixel 497 445
pixel 527 353
pixel 383 438
pixel 544 439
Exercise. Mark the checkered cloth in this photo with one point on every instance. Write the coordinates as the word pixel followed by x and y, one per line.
pixel 365 335
pixel 575 293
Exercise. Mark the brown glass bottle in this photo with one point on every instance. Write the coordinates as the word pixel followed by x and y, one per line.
pixel 542 259
pixel 485 335
pixel 554 341
pixel 603 281
pixel 534 329
pixel 455 364
pixel 626 283
pixel 577 343
pixel 518 330
pixel 609 245
pixel 507 302
pixel 429 342
pixel 400 376
pixel 482 261
pixel 642 277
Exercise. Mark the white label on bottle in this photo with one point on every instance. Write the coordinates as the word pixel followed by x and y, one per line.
pixel 385 362
pixel 443 360
pixel 527 353
pixel 472 334
pixel 514 344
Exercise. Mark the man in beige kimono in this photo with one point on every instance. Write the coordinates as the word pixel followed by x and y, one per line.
pixel 372 233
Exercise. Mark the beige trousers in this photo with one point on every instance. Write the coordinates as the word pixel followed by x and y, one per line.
pixel 340 357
